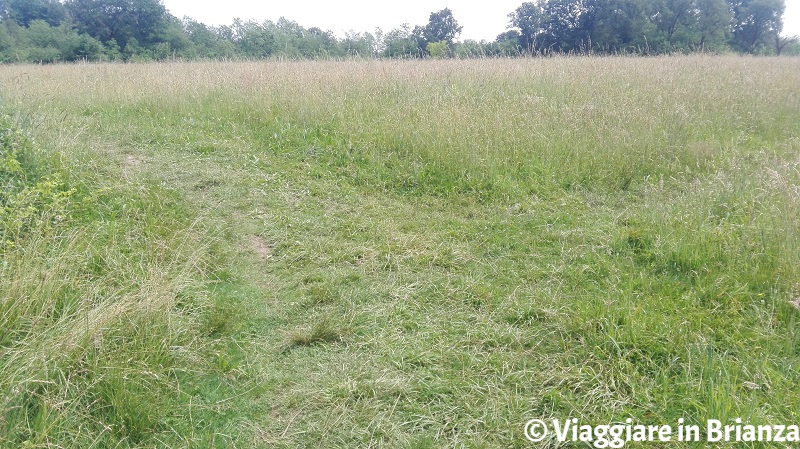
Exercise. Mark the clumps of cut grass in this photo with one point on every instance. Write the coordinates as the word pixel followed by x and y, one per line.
pixel 325 330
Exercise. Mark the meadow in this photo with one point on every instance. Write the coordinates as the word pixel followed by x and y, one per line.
pixel 410 254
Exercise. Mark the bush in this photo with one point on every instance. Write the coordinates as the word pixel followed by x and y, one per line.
pixel 437 50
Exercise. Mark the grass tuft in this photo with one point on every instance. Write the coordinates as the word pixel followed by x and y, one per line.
pixel 325 330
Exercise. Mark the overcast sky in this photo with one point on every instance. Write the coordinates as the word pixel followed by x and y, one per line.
pixel 483 19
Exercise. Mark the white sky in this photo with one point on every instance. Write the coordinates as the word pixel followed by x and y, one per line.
pixel 481 19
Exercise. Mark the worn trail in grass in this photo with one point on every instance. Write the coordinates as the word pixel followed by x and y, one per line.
pixel 427 254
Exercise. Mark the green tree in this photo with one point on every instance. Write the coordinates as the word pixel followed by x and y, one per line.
pixel 316 42
pixel 660 26
pixel 6 43
pixel 613 25
pixel 359 44
pixel 564 27
pixel 208 42
pixel 713 24
pixel 113 51
pixel 401 43
pixel 529 23
pixel 756 24
pixel 42 43
pixel 587 25
pixel 509 43
pixel 672 19
pixel 175 36
pixel 26 11
pixel 782 42
pixel 470 49
pixel 288 37
pixel 442 27
pixel 791 48
pixel 437 50
pixel 145 21
pixel 134 51
pixel 254 40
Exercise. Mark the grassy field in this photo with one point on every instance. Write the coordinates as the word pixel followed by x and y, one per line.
pixel 411 254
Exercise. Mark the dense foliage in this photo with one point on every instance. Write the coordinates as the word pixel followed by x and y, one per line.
pixel 72 30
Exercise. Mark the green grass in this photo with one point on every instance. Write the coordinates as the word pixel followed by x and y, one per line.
pixel 408 253
pixel 94 338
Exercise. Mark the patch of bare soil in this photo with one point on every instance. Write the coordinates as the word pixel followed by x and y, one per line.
pixel 259 246
pixel 132 161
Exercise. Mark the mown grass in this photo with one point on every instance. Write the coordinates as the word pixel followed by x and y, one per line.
pixel 100 344
pixel 430 253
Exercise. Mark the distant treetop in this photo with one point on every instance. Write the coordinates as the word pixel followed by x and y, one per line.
pixel 52 31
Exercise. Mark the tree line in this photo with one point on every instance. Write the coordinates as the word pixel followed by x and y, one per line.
pixel 133 30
